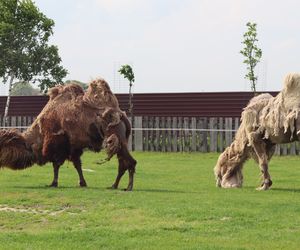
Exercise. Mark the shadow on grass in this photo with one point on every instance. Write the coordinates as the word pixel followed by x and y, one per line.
pixel 46 187
pixel 165 191
pixel 59 187
pixel 253 188
pixel 294 190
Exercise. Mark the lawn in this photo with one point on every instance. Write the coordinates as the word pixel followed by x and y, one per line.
pixel 174 205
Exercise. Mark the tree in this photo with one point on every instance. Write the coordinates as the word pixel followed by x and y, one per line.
pixel 127 73
pixel 252 53
pixel 25 54
pixel 24 89
pixel 82 84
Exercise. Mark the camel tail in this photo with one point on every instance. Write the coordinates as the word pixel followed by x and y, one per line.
pixel 127 125
pixel 14 152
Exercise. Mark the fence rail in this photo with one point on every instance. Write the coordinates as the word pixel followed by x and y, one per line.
pixel 176 134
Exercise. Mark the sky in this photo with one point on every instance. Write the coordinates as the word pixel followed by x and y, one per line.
pixel 175 45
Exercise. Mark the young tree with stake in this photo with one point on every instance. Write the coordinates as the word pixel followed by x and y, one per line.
pixel 252 53
pixel 127 73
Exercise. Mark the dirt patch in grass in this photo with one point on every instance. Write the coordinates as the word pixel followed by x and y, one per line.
pixel 31 210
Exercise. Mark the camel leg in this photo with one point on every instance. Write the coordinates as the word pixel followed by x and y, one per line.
pixel 130 163
pixel 126 162
pixel 56 167
pixel 121 172
pixel 261 151
pixel 130 183
pixel 77 165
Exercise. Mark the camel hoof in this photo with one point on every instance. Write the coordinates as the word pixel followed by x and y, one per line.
pixel 263 187
pixel 231 185
pixel 218 183
pixel 112 187
pixel 53 184
pixel 82 184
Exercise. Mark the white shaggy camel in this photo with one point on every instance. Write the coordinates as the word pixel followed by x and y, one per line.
pixel 265 122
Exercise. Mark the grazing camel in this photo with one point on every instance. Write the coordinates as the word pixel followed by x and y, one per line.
pixel 265 122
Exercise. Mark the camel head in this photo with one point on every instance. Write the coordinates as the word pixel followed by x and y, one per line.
pixel 227 172
pixel 112 145
pixel 291 84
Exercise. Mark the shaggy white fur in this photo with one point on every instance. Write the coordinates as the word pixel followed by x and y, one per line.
pixel 264 116
pixel 282 110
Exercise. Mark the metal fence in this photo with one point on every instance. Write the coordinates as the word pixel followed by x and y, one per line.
pixel 176 134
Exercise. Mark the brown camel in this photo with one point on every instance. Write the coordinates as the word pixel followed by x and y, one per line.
pixel 71 121
pixel 265 122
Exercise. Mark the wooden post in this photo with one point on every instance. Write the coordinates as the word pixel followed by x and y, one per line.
pixel 169 134
pixel 175 133
pixel 236 126
pixel 151 133
pixel 19 123
pixel 146 133
pixel 186 135
pixel 228 133
pixel 293 148
pixel 157 135
pixel 163 134
pixel 221 135
pixel 284 149
pixel 194 134
pixel 213 134
pixel 130 147
pixel 202 124
pixel 138 134
pixel 179 125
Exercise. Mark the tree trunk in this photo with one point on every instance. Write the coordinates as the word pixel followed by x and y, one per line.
pixel 130 102
pixel 5 118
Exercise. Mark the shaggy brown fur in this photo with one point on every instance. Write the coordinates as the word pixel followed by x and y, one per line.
pixel 265 122
pixel 71 121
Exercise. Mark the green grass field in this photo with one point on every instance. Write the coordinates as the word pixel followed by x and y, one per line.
pixel 174 205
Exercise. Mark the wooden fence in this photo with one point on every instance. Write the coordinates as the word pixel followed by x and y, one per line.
pixel 20 122
pixel 190 134
pixel 177 134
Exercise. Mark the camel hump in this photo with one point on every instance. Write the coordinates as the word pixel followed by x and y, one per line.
pixel 72 88
pixel 100 95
